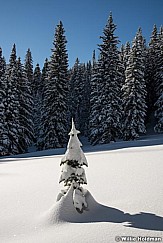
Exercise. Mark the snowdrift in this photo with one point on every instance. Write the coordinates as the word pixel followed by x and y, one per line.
pixel 124 198
pixel 64 211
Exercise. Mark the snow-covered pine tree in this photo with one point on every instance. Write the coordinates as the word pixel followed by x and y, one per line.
pixel 37 80
pixel 37 99
pixel 122 53
pixel 93 58
pixel 80 94
pixel 160 35
pixel 159 114
pixel 56 96
pixel 44 75
pixel 124 56
pixel 95 103
pixel 12 105
pixel 28 68
pixel 2 64
pixel 127 49
pixel 120 82
pixel 122 67
pixel 85 102
pixel 150 71
pixel 3 132
pixel 81 97
pixel 44 89
pixel 76 88
pixel 159 90
pixel 134 91
pixel 26 134
pixel 110 88
pixel 73 174
pixel 28 65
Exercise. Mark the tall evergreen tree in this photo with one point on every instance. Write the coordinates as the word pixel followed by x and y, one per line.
pixel 127 49
pixel 3 132
pixel 37 80
pixel 158 64
pixel 159 114
pixel 95 104
pixel 12 124
pixel 110 86
pixel 80 95
pixel 94 59
pixel 75 91
pixel 85 104
pixel 2 64
pixel 28 69
pixel 28 64
pixel 159 86
pixel 26 134
pixel 80 85
pixel 44 88
pixel 56 95
pixel 44 75
pixel 150 71
pixel 37 98
pixel 134 91
pixel 122 53
pixel 124 56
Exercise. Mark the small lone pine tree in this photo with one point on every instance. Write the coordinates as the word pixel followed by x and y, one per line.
pixel 73 174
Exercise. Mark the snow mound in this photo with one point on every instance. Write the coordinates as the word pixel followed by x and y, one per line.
pixel 64 211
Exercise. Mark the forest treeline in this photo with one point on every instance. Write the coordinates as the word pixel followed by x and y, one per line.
pixel 110 97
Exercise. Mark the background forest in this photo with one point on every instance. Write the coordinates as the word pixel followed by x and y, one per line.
pixel 113 96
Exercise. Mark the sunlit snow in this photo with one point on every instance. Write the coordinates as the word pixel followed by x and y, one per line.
pixel 125 195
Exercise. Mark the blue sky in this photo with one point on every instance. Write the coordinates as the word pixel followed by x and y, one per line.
pixel 31 24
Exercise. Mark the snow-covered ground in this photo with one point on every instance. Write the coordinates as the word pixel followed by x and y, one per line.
pixel 125 198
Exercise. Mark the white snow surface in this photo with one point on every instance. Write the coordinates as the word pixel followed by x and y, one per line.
pixel 125 197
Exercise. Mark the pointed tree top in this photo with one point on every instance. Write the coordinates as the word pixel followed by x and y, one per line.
pixel 139 31
pixel 13 51
pixel 94 58
pixel 0 52
pixel 13 57
pixel 155 31
pixel 127 45
pixel 37 65
pixel 161 30
pixel 110 19
pixel 73 129
pixel 110 15
pixel 60 23
pixel 19 59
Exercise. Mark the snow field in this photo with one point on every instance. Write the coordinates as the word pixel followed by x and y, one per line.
pixel 126 188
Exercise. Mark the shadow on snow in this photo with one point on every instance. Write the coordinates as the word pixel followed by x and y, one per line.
pixel 142 141
pixel 64 211
pixel 142 220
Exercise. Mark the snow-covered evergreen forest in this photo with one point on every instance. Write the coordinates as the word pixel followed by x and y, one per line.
pixel 113 96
